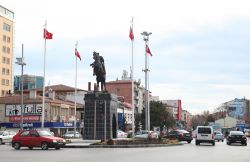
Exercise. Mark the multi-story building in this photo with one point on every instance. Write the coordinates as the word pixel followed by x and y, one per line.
pixel 59 109
pixel 174 107
pixel 186 119
pixel 29 82
pixel 6 50
pixel 124 88
pixel 237 108
pixel 124 112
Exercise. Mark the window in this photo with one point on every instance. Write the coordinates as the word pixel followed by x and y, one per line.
pixel 3 81
pixel 4 38
pixel 7 82
pixel 8 49
pixel 4 49
pixel 3 71
pixel 26 133
pixel 7 71
pixel 8 39
pixel 3 59
pixel 2 93
pixel 6 27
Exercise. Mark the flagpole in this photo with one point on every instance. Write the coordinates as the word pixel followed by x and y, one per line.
pixel 75 90
pixel 132 78
pixel 146 70
pixel 44 64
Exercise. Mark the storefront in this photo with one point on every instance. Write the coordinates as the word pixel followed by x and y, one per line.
pixel 59 128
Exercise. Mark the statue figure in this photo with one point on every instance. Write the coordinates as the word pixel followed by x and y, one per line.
pixel 99 70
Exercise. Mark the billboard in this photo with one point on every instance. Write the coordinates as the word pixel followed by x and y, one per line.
pixel 28 109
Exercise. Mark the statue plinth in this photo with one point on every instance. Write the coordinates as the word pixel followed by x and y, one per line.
pixel 100 120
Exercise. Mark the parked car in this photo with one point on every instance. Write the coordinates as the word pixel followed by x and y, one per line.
pixel 72 134
pixel 37 138
pixel 218 136
pixel 6 136
pixel 236 137
pixel 121 134
pixel 145 134
pixel 204 134
pixel 181 135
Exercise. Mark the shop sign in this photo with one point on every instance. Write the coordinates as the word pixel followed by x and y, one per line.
pixel 25 118
pixel 28 109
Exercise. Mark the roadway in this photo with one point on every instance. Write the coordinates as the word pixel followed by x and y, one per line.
pixel 182 153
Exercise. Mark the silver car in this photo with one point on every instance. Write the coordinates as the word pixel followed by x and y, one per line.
pixel 72 134
pixel 218 136
pixel 6 136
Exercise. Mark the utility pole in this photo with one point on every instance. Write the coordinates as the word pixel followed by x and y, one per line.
pixel 146 70
pixel 20 61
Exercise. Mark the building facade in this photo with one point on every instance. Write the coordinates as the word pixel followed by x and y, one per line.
pixel 175 107
pixel 29 82
pixel 6 50
pixel 124 88
pixel 59 109
pixel 237 108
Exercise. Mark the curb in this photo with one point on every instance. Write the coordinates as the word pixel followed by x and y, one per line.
pixel 121 146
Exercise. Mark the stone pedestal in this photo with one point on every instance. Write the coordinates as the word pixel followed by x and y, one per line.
pixel 100 120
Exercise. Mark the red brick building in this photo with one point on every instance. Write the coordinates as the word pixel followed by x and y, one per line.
pixel 124 88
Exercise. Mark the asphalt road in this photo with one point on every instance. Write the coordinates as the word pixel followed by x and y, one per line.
pixel 183 153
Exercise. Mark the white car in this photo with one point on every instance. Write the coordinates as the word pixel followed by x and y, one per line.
pixel 145 134
pixel 71 134
pixel 6 136
pixel 121 134
pixel 204 134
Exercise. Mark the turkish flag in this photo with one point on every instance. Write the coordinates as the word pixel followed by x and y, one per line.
pixel 47 35
pixel 77 54
pixel 131 34
pixel 148 50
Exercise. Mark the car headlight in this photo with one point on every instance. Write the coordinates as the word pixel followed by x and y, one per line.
pixel 64 140
pixel 54 141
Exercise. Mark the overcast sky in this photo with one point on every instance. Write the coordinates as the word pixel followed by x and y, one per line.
pixel 200 48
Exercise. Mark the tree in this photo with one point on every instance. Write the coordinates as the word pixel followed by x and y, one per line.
pixel 158 116
pixel 210 118
pixel 137 122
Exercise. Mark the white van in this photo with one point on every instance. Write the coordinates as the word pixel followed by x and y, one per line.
pixel 204 134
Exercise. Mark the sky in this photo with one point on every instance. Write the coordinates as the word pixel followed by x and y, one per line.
pixel 200 47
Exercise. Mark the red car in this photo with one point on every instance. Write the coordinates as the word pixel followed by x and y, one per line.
pixel 36 138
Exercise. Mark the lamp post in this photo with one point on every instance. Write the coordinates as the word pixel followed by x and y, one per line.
pixel 146 70
pixel 20 61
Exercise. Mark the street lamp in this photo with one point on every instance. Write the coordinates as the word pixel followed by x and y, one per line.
pixel 146 70
pixel 20 61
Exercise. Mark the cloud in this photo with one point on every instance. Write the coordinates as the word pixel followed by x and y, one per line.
pixel 200 52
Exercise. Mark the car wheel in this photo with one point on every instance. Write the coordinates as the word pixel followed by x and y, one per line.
pixel 30 148
pixel 189 141
pixel 197 143
pixel 44 146
pixel 229 143
pixel 58 148
pixel 245 144
pixel 222 140
pixel 17 145
pixel 213 143
pixel 1 141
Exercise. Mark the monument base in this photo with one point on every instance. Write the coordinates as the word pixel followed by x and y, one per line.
pixel 100 117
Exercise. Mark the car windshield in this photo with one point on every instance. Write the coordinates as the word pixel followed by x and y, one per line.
pixel 70 132
pixel 44 133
